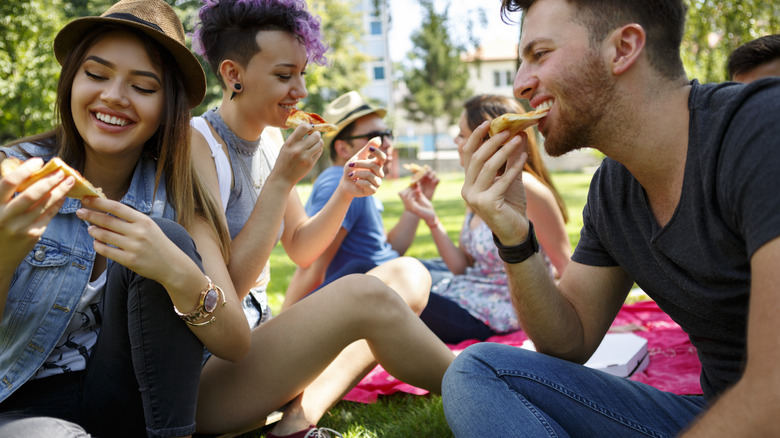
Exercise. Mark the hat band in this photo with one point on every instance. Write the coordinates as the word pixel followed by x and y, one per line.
pixel 131 17
pixel 356 110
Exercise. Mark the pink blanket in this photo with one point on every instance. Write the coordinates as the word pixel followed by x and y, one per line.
pixel 673 366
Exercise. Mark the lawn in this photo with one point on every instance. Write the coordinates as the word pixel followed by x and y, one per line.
pixel 403 415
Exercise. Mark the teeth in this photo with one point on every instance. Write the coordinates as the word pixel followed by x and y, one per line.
pixel 544 105
pixel 111 120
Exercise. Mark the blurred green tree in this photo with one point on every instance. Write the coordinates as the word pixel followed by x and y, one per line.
pixel 28 70
pixel 715 28
pixel 436 77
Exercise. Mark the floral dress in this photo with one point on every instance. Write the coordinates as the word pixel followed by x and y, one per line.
pixel 482 290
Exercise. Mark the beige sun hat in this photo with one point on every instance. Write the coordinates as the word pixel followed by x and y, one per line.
pixel 154 18
pixel 344 110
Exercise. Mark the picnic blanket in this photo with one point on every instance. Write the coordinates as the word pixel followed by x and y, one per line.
pixel 673 366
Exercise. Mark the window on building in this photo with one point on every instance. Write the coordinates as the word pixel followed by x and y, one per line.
pixel 509 77
pixel 379 73
pixel 376 28
pixel 496 79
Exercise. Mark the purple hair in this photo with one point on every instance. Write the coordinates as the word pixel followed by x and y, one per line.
pixel 227 29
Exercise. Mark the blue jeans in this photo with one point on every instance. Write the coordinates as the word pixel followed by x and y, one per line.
pixel 142 376
pixel 495 390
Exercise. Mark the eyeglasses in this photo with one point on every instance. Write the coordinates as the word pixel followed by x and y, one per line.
pixel 385 135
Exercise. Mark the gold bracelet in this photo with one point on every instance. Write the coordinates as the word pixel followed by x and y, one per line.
pixel 207 303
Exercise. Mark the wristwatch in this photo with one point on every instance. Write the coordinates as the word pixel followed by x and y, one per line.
pixel 520 252
pixel 207 303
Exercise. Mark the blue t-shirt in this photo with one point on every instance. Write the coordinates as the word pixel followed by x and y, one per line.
pixel 366 240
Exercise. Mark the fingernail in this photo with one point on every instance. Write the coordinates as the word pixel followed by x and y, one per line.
pixel 350 174
pixel 351 164
pixel 371 148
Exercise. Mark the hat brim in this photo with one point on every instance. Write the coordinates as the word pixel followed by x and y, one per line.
pixel 330 136
pixel 191 70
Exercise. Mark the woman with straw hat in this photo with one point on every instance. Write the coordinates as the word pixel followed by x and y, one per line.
pixel 104 302
pixel 312 353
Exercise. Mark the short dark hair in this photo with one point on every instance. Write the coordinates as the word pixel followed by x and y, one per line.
pixel 752 54
pixel 662 20
pixel 228 29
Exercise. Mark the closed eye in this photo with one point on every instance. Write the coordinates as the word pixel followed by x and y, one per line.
pixel 94 76
pixel 144 90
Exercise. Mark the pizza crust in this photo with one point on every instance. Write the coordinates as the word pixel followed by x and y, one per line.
pixel 516 123
pixel 298 117
pixel 80 189
pixel 417 171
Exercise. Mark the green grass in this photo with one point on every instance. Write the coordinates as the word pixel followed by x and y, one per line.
pixel 403 415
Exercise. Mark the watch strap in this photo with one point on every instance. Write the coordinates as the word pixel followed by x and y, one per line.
pixel 520 252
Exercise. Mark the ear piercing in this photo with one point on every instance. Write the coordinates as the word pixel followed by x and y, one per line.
pixel 236 89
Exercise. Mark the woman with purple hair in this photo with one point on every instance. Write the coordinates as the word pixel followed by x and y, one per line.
pixel 311 354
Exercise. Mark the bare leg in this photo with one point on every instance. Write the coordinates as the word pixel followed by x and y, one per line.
pixel 411 280
pixel 290 351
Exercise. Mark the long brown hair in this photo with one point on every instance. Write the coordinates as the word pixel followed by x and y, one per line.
pixel 489 106
pixel 169 145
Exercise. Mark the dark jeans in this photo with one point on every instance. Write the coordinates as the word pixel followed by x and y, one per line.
pixel 142 376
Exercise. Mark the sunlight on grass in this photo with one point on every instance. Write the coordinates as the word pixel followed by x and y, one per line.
pixel 403 415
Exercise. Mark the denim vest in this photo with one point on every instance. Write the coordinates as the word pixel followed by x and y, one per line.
pixel 52 277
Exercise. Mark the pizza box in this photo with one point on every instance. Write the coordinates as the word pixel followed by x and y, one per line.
pixel 619 354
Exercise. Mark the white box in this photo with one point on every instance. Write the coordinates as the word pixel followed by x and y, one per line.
pixel 619 354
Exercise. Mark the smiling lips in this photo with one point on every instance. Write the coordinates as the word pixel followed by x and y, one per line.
pixel 111 120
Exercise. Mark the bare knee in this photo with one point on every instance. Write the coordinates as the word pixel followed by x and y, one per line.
pixel 408 278
pixel 370 295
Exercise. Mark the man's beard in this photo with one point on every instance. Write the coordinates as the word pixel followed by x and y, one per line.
pixel 585 95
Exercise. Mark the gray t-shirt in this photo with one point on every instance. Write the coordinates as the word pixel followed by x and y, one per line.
pixel 697 267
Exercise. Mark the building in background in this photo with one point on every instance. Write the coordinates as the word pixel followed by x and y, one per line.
pixel 375 44
pixel 492 67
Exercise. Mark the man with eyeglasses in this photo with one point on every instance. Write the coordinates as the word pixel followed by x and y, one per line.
pixel 361 244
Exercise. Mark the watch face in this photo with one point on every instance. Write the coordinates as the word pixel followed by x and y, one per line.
pixel 210 302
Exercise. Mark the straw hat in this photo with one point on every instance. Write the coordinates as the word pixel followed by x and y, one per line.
pixel 154 18
pixel 344 110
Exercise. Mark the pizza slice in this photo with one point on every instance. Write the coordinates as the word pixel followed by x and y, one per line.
pixel 417 171
pixel 80 189
pixel 517 123
pixel 298 117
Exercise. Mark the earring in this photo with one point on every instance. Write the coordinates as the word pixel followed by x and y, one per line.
pixel 236 89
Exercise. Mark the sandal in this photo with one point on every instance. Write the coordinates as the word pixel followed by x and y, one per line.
pixel 311 432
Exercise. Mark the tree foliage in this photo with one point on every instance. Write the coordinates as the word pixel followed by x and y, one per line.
pixel 28 70
pixel 715 28
pixel 342 30
pixel 437 79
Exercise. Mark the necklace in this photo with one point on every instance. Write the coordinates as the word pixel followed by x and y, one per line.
pixel 245 150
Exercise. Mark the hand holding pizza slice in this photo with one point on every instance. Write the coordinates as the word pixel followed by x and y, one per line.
pixel 417 171
pixel 298 117
pixel 80 189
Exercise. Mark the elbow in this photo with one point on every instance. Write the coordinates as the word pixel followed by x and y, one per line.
pixel 235 350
